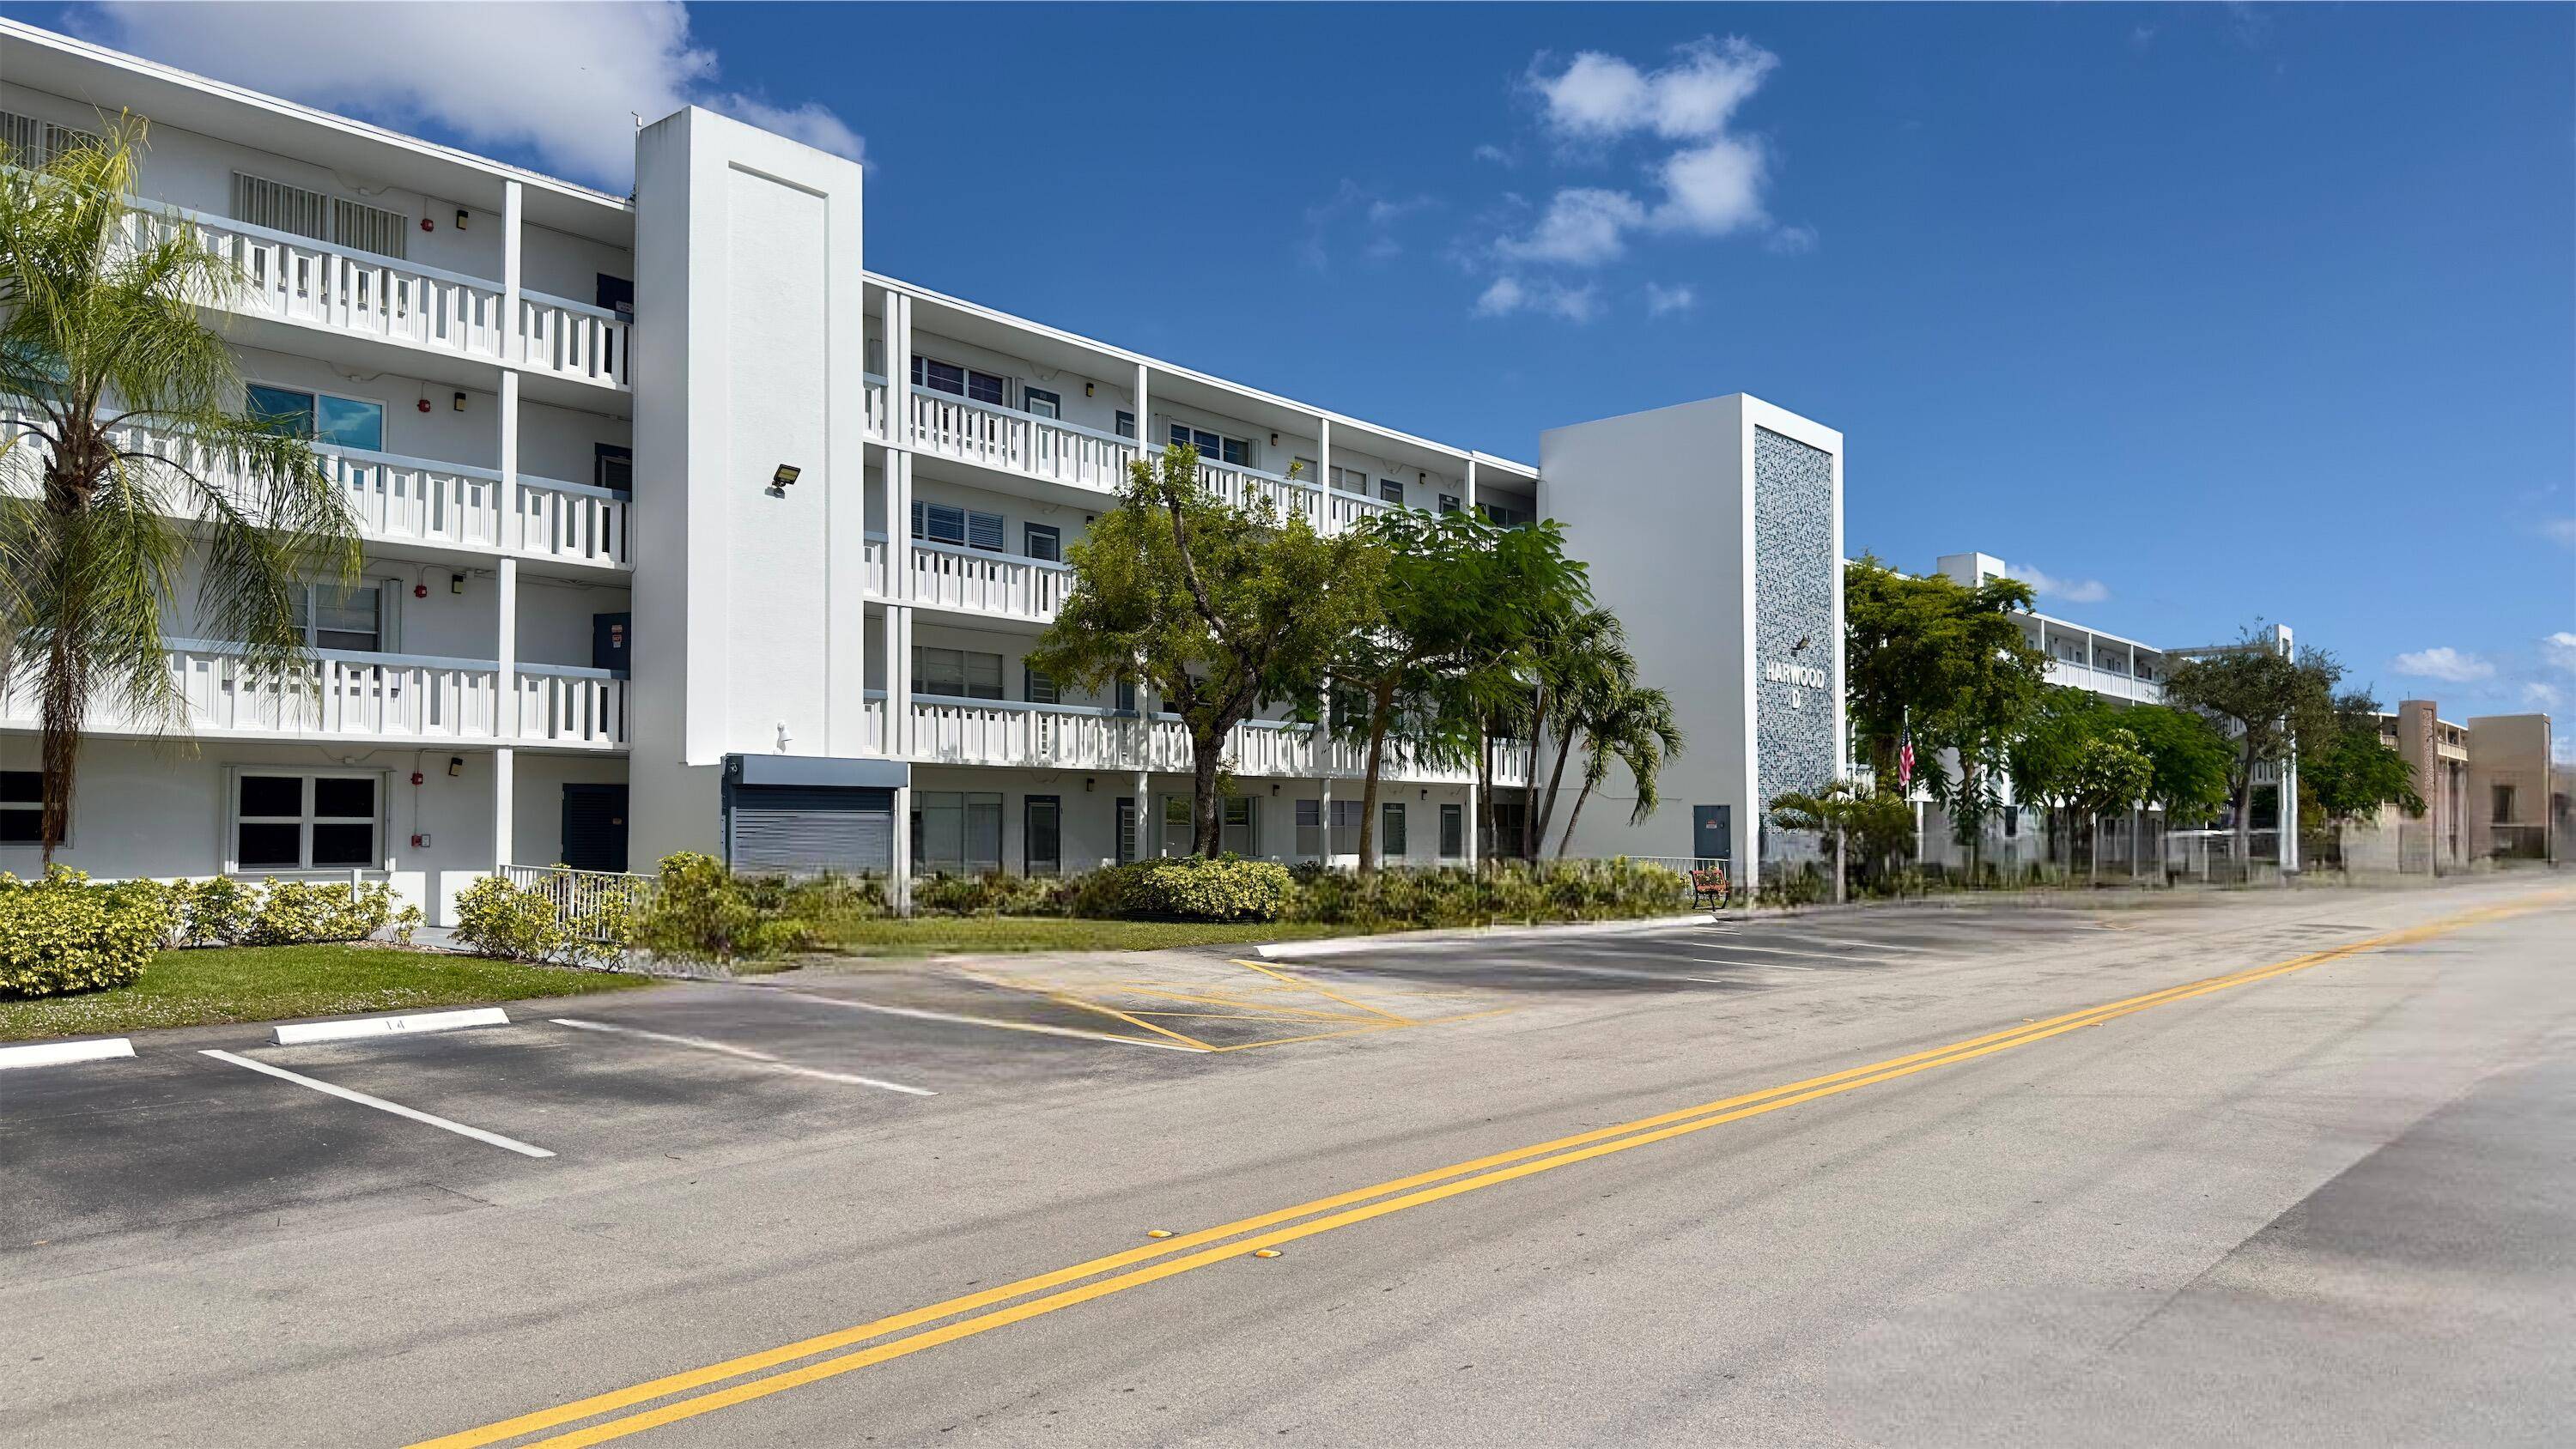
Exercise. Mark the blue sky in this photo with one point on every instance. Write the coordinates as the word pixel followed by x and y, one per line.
pixel 2201 313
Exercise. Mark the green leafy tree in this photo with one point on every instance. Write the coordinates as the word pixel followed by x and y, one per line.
pixel 2189 757
pixel 2112 773
pixel 2273 702
pixel 1585 677
pixel 1632 724
pixel 2354 772
pixel 102 338
pixel 1877 824
pixel 2045 758
pixel 1432 596
pixel 1222 609
pixel 1531 591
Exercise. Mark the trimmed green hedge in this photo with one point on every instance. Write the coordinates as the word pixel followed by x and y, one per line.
pixel 1566 890
pixel 1186 888
pixel 62 934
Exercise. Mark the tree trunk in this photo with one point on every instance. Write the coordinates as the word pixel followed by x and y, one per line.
pixel 65 690
pixel 1529 812
pixel 1206 756
pixel 1381 704
pixel 1484 823
pixel 1838 865
pixel 1575 814
pixel 2245 817
pixel 1555 781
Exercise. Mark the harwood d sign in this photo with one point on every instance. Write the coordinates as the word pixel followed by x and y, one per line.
pixel 1806 676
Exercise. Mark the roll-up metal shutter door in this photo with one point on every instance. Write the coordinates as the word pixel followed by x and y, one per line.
pixel 811 829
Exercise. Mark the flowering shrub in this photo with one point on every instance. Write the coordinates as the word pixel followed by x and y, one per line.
pixel 496 918
pixel 700 911
pixel 1187 888
pixel 63 934
pixel 222 911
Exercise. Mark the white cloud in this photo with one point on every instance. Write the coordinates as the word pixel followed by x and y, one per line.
pixel 2444 663
pixel 1791 240
pixel 1662 300
pixel 1509 294
pixel 1498 156
pixel 2050 586
pixel 2542 696
pixel 2559 650
pixel 1583 227
pixel 1711 184
pixel 562 80
pixel 1376 214
pixel 2559 531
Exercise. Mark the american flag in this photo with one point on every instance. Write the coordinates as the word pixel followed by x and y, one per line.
pixel 1905 764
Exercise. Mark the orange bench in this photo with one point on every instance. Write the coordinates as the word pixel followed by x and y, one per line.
pixel 1709 887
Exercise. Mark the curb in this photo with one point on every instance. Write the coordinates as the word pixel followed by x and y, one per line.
pixel 302 1032
pixel 61 1053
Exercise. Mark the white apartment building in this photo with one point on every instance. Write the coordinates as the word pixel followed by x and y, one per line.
pixel 685 530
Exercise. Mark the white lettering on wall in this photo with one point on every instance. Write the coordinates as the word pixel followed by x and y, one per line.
pixel 1803 675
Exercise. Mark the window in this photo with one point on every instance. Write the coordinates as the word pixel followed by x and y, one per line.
pixel 1508 817
pixel 612 466
pixel 1044 542
pixel 947 523
pixel 1040 687
pixel 343 421
pixel 22 807
pixel 1305 468
pixel 1211 446
pixel 1041 402
pixel 1124 424
pixel 1126 697
pixel 959 832
pixel 1453 831
pixel 2503 804
pixel 1502 517
pixel 299 212
pixel 304 822
pixel 26 141
pixel 1390 491
pixel 965 382
pixel 333 618
pixel 1351 480
pixel 956 673
pixel 1176 825
pixel 1346 827
pixel 1391 842
pixel 1236 832
pixel 1448 502
pixel 1126 829
pixel 1042 835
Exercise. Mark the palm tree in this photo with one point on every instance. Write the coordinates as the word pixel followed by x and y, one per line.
pixel 1580 658
pixel 1634 725
pixel 102 346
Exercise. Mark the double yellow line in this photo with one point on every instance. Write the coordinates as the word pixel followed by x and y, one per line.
pixel 993 1308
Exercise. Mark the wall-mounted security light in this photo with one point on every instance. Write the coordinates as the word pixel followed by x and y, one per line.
pixel 1274 440
pixel 460 402
pixel 456 583
pixel 1086 784
pixel 460 218
pixel 455 766
pixel 1086 389
pixel 786 474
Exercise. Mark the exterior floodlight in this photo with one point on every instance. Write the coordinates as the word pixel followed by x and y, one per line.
pixel 785 475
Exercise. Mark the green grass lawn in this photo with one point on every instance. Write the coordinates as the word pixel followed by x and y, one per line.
pixel 924 934
pixel 267 983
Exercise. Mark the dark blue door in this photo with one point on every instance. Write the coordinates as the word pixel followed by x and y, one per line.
pixel 1713 832
pixel 608 640
pixel 594 827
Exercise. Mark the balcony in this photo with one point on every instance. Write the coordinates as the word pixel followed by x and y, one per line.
pixel 317 284
pixel 377 697
pixel 2109 683
pixel 949 731
pixel 944 576
pixel 414 500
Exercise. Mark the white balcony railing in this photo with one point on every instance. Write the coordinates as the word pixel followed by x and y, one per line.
pixel 318 284
pixel 563 704
pixel 1246 487
pixel 1059 452
pixel 873 396
pixel 948 731
pixel 1010 585
pixel 343 695
pixel 399 499
pixel 1351 509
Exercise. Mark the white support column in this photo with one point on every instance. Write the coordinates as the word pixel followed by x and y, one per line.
pixel 898 456
pixel 1324 470
pixel 514 341
pixel 899 872
pixel 506 651
pixel 899 682
pixel 512 532
pixel 1144 427
pixel 1146 821
pixel 1324 775
pixel 1470 838
pixel 1469 503
pixel 505 765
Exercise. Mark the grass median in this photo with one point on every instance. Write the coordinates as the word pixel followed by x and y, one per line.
pixel 221 984
pixel 926 935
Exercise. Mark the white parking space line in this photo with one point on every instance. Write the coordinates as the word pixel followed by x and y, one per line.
pixel 511 1144
pixel 775 1064
pixel 1040 1028
pixel 1754 965
pixel 1779 951
pixel 1862 945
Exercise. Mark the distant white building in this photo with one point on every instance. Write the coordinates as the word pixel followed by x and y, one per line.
pixel 684 530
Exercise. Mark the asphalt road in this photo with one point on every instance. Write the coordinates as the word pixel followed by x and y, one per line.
pixel 2282 1169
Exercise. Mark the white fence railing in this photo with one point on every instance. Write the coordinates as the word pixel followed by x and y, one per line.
pixel 340 694
pixel 948 731
pixel 587 901
pixel 946 576
pixel 954 427
pixel 394 498
pixel 319 284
